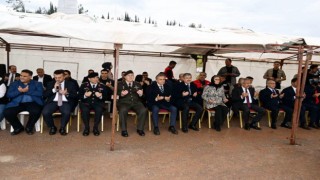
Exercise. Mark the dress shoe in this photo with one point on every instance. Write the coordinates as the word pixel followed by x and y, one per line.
pixel 86 132
pixel 156 131
pixel 96 132
pixel 193 127
pixel 273 126
pixel 29 131
pixel 218 128
pixel 53 130
pixel 313 125
pixel 185 130
pixel 63 131
pixel 141 132
pixel 255 127
pixel 285 125
pixel 247 127
pixel 124 133
pixel 304 127
pixel 173 130
pixel 17 131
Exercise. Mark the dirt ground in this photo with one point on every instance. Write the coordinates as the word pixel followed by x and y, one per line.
pixel 230 154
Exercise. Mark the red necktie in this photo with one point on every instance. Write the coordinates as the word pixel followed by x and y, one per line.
pixel 317 99
pixel 247 98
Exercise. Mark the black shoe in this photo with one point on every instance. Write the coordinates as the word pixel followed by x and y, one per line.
pixel 247 127
pixel 313 125
pixel 53 130
pixel 29 131
pixel 285 125
pixel 218 128
pixel 62 131
pixel 86 132
pixel 173 130
pixel 185 130
pixel 193 127
pixel 141 132
pixel 273 126
pixel 156 131
pixel 17 131
pixel 304 127
pixel 96 132
pixel 255 127
pixel 124 133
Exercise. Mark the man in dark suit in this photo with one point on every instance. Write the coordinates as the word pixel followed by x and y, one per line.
pixel 309 102
pixel 60 95
pixel 42 77
pixel 92 96
pixel 11 76
pixel 243 98
pixel 287 104
pixel 270 99
pixel 146 78
pixel 25 95
pixel 109 83
pixel 129 93
pixel 85 79
pixel 159 97
pixel 184 98
pixel 67 76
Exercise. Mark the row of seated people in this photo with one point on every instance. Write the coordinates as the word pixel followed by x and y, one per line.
pixel 27 95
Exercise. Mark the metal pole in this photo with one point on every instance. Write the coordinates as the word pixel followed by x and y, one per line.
pixel 297 105
pixel 8 49
pixel 204 62
pixel 117 48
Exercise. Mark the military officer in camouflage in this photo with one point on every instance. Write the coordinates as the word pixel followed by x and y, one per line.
pixel 129 93
pixel 92 95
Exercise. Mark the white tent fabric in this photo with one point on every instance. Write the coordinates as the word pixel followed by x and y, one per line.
pixel 85 28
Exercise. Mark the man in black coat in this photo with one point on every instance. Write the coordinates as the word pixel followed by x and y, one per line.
pixel 184 98
pixel 270 99
pixel 60 95
pixel 244 99
pixel 42 77
pixel 92 95
pixel 159 97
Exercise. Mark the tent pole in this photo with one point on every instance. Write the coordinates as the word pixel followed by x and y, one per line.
pixel 8 49
pixel 117 48
pixel 299 98
pixel 204 63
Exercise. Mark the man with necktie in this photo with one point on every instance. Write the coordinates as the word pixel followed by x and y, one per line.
pixel 244 99
pixel 184 98
pixel 60 95
pixel 12 75
pixel 270 99
pixel 129 93
pixel 159 97
pixel 25 95
pixel 92 96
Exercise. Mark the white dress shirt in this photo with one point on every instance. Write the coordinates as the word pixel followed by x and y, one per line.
pixel 63 96
pixel 249 95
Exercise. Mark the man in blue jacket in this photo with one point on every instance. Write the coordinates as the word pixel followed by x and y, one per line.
pixel 25 95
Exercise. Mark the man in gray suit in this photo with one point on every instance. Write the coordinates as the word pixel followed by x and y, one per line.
pixel 129 93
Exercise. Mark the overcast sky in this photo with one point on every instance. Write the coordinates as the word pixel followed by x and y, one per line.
pixel 300 18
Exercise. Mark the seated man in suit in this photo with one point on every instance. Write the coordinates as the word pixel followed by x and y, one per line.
pixel 67 76
pixel 12 75
pixel 42 77
pixel 159 97
pixel 287 104
pixel 244 99
pixel 184 98
pixel 25 95
pixel 129 93
pixel 59 95
pixel 309 102
pixel 270 99
pixel 92 95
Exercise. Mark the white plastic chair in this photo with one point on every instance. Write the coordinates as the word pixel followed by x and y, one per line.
pixel 21 118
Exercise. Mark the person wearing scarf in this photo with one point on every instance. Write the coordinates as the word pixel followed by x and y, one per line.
pixel 215 99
